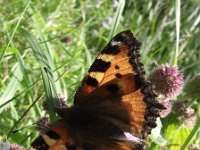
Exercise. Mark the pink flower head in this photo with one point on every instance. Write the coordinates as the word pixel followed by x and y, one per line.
pixel 15 147
pixel 63 101
pixel 165 112
pixel 43 124
pixel 168 81
pixel 7 146
pixel 190 117
pixel 180 107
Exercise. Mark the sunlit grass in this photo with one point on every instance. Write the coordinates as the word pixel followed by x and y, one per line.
pixel 69 35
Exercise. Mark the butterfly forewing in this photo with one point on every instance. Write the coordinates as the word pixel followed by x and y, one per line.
pixel 113 71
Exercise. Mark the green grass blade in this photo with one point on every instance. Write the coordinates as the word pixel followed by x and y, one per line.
pixel 178 16
pixel 118 16
pixel 15 29
pixel 12 87
pixel 39 23
pixel 21 117
pixel 47 75
pixel 24 91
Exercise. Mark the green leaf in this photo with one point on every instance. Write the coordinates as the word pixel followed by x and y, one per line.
pixel 156 134
pixel 39 23
pixel 178 20
pixel 192 88
pixel 13 85
pixel 176 135
pixel 117 17
pixel 47 75
pixel 15 29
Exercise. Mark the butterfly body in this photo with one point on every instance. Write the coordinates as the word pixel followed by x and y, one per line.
pixel 113 99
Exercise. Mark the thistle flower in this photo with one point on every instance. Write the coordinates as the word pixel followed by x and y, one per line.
pixel 190 118
pixel 15 147
pixel 63 101
pixel 180 107
pixel 8 146
pixel 168 81
pixel 167 110
pixel 187 114
pixel 43 124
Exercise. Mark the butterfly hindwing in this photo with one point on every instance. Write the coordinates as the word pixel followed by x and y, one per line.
pixel 56 138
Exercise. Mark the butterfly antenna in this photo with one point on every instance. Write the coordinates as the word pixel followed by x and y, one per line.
pixel 15 131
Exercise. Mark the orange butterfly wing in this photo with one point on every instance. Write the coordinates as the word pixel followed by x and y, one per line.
pixel 53 139
pixel 116 87
pixel 57 138
pixel 118 71
pixel 118 68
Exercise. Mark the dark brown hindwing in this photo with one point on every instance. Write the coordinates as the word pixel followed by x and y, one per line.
pixel 42 143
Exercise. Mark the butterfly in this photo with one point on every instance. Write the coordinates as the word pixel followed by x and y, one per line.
pixel 114 108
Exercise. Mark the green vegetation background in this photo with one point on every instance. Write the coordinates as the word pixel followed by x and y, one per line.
pixel 70 33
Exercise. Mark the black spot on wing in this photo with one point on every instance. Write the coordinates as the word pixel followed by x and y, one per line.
pixel 39 144
pixel 109 49
pixel 99 66
pixel 112 88
pixel 117 67
pixel 91 81
pixel 53 135
pixel 118 75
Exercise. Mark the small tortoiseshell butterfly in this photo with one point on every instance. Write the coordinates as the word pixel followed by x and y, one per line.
pixel 114 108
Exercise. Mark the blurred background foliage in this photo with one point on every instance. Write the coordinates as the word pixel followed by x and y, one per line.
pixel 70 34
